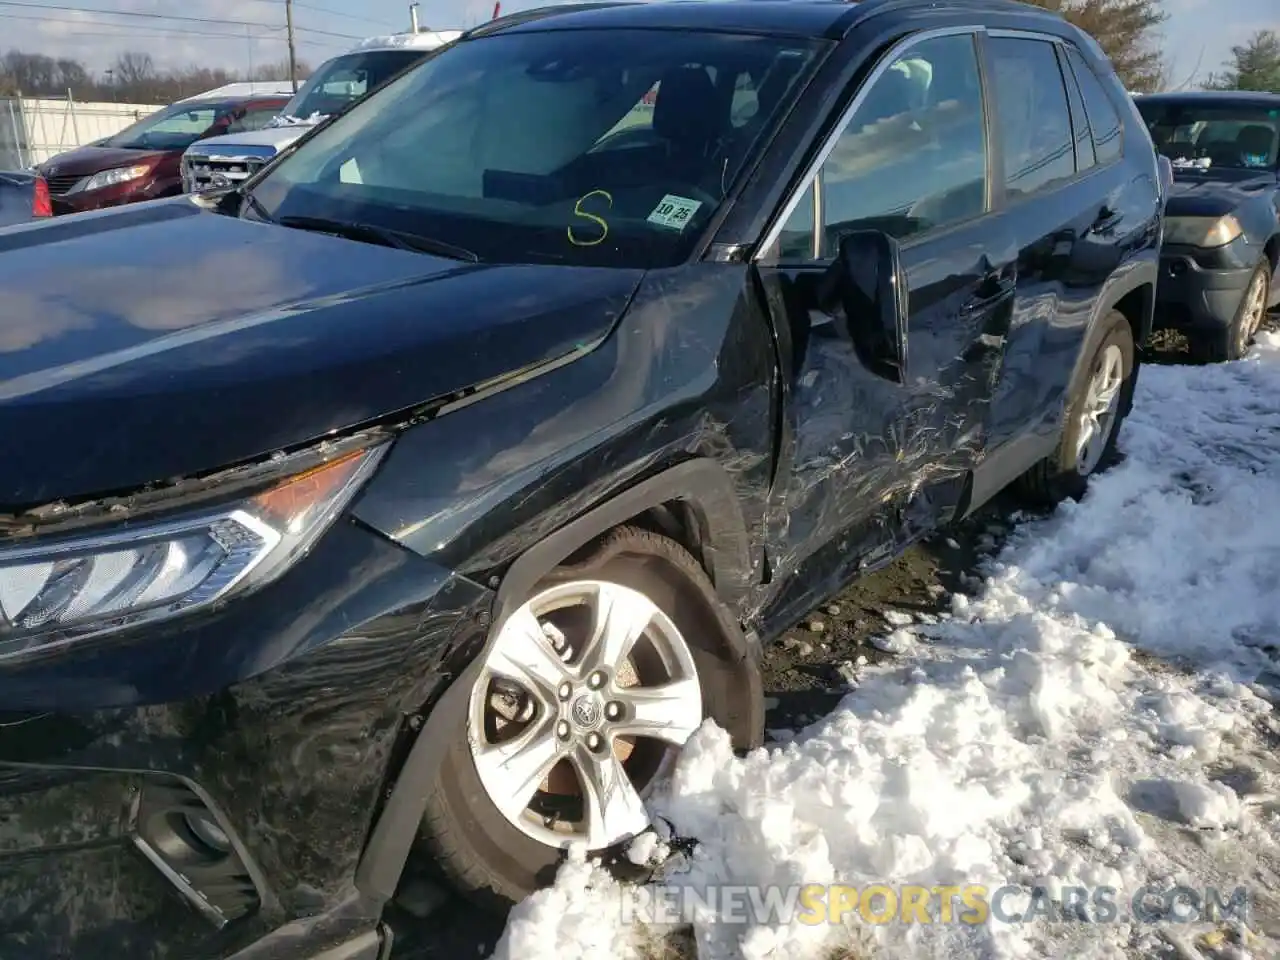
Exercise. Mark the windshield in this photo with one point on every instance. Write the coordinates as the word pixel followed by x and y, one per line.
pixel 343 80
pixel 609 147
pixel 1210 135
pixel 173 128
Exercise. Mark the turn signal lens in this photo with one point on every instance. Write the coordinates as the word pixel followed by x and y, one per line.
pixel 42 203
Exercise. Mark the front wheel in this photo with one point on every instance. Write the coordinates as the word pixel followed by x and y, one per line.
pixel 1232 343
pixel 577 709
pixel 1096 407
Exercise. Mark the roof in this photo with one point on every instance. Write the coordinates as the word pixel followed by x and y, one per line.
pixel 245 91
pixel 422 40
pixel 1206 96
pixel 801 18
pixel 788 18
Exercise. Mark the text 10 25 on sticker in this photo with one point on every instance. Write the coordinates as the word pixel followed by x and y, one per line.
pixel 675 212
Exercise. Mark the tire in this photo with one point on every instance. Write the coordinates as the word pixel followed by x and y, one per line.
pixel 1232 343
pixel 476 846
pixel 1061 475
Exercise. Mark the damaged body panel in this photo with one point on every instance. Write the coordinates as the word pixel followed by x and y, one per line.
pixel 284 465
pixel 195 326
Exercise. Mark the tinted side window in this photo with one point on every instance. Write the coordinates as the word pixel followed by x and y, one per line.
pixel 1103 118
pixel 1035 126
pixel 913 156
pixel 1085 157
pixel 255 119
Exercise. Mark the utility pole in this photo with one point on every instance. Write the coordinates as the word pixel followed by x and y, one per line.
pixel 293 50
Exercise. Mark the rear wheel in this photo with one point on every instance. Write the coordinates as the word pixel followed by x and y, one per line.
pixel 577 710
pixel 1095 410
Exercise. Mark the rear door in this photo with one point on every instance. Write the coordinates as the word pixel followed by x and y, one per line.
pixel 1063 187
pixel 867 464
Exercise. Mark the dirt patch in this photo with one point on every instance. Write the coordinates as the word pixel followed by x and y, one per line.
pixel 805 674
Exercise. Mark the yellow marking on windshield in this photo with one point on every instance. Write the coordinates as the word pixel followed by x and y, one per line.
pixel 579 212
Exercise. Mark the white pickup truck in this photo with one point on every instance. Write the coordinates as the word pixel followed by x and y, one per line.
pixel 220 162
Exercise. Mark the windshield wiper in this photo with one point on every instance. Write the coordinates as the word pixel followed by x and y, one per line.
pixel 372 233
pixel 256 206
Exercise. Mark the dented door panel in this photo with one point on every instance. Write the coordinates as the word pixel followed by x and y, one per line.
pixel 868 465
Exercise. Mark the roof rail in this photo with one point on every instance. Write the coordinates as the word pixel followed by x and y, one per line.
pixel 539 13
pixel 1006 6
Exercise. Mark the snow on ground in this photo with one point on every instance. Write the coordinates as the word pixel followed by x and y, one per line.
pixel 1096 714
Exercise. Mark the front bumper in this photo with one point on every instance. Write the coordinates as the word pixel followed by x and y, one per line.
pixel 1202 289
pixel 135 191
pixel 282 716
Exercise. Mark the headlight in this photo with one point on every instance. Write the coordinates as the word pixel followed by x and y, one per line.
pixel 67 588
pixel 109 178
pixel 1202 231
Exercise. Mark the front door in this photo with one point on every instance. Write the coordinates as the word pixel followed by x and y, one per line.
pixel 866 464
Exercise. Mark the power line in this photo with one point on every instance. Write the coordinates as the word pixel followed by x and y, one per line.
pixel 165 16
pixel 350 16
pixel 331 12
pixel 155 31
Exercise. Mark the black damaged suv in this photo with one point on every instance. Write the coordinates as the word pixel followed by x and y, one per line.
pixel 423 495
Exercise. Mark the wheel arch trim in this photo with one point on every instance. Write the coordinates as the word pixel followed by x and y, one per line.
pixel 704 485
pixel 1145 272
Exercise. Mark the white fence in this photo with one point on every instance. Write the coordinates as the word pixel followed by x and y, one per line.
pixel 33 129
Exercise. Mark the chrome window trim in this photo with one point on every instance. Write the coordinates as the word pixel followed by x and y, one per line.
pixel 1067 47
pixel 812 171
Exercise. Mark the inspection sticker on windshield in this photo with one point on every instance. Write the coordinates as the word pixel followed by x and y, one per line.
pixel 673 211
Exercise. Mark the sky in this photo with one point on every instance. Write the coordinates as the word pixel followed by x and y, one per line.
pixel 1197 36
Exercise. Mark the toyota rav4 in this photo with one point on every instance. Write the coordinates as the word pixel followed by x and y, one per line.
pixel 422 495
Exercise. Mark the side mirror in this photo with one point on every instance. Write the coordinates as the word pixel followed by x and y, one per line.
pixel 866 287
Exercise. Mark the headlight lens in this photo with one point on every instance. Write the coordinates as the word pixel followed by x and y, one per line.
pixel 66 589
pixel 109 178
pixel 1202 231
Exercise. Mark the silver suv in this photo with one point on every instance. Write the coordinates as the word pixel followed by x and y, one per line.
pixel 221 162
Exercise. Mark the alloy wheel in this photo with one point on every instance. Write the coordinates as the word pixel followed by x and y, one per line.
pixel 1099 409
pixel 585 698
pixel 1252 311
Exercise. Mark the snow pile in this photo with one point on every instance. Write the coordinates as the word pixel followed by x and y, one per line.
pixel 1096 715
pixel 289 120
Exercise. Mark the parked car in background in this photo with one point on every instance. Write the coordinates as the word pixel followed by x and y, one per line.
pixel 143 161
pixel 24 196
pixel 1220 265
pixel 429 490
pixel 224 161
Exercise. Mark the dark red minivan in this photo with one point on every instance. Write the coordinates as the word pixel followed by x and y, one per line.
pixel 143 161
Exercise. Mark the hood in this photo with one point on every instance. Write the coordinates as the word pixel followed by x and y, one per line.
pixel 276 137
pixel 86 161
pixel 1213 193
pixel 161 340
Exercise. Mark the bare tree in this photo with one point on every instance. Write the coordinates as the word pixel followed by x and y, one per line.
pixel 134 69
pixel 133 76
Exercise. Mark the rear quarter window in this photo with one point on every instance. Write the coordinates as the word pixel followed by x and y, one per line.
pixel 1104 120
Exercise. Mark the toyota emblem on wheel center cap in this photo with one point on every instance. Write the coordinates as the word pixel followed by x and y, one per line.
pixel 586 711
